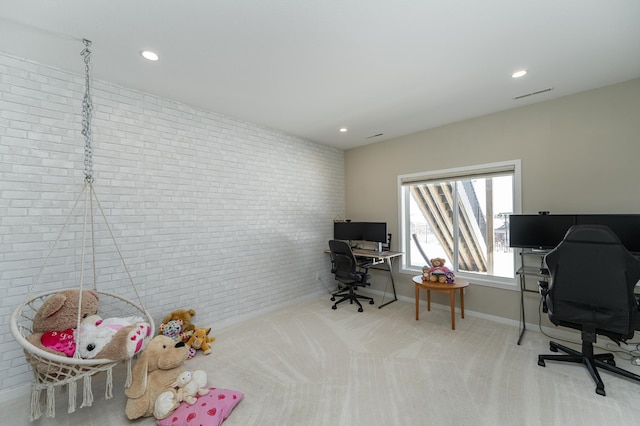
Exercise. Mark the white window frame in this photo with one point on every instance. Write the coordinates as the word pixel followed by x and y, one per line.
pixel 453 173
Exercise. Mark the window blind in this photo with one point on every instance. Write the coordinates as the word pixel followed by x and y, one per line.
pixel 458 174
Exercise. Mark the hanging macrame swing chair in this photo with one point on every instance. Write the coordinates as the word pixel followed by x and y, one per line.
pixel 52 370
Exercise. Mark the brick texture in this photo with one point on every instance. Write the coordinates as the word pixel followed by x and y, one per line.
pixel 209 212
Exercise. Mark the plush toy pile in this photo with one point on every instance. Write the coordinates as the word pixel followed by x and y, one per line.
pixel 163 388
pixel 438 272
pixel 55 322
pixel 178 326
pixel 157 369
pixel 184 316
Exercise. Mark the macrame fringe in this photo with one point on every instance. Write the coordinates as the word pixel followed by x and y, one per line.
pixel 35 403
pixel 87 393
pixel 109 391
pixel 73 389
pixel 51 401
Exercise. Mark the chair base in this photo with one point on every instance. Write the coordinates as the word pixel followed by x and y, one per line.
pixel 592 361
pixel 351 296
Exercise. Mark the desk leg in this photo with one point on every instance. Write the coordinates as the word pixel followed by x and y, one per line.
pixel 393 284
pixel 462 302
pixel 452 299
pixel 523 323
pixel 417 301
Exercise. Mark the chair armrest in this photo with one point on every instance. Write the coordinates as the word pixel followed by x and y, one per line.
pixel 544 290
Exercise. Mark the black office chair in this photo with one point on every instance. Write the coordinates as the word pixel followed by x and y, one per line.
pixel 592 277
pixel 347 271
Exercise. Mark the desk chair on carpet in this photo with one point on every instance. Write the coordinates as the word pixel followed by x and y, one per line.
pixel 592 278
pixel 347 271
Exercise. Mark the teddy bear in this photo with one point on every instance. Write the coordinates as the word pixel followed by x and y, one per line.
pixel 425 273
pixel 438 272
pixel 54 328
pixel 158 367
pixel 185 316
pixel 200 340
pixel 95 333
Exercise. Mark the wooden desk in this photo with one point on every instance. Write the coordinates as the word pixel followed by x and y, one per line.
pixel 450 288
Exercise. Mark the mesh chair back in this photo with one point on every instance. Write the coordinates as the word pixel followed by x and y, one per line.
pixel 344 262
pixel 592 281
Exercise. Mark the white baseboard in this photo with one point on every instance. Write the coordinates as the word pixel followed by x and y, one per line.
pixel 12 393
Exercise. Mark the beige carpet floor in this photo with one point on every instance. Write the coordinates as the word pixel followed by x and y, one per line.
pixel 310 365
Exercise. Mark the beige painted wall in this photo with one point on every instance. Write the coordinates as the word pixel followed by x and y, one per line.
pixel 579 154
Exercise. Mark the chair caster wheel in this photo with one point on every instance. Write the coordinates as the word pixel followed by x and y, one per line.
pixel 334 307
pixel 600 391
pixel 371 302
pixel 553 348
pixel 333 299
pixel 610 362
pixel 541 363
pixel 359 309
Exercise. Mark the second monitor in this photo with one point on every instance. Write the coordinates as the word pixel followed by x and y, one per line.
pixel 360 231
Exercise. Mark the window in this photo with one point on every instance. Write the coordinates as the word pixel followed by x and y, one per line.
pixel 461 215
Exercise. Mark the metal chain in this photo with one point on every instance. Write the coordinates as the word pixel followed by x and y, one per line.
pixel 87 109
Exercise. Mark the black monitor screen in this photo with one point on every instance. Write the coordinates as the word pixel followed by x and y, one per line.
pixel 625 226
pixel 538 231
pixel 348 231
pixel 374 231
pixel 360 231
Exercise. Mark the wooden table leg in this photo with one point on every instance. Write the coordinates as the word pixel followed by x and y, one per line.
pixel 452 298
pixel 417 300
pixel 428 300
pixel 462 302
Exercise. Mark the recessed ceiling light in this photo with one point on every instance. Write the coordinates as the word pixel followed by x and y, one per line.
pixel 343 130
pixel 518 74
pixel 149 55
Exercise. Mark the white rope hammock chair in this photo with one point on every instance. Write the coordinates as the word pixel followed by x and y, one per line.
pixel 51 370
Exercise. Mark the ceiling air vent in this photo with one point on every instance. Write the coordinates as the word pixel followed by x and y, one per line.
pixel 548 89
pixel 374 136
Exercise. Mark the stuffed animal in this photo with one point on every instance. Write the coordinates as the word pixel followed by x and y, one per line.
pixel 183 315
pixel 173 329
pixel 440 273
pixel 200 340
pixel 190 384
pixel 425 273
pixel 55 322
pixel 95 333
pixel 158 367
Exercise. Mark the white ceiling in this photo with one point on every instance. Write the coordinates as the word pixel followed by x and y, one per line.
pixel 309 67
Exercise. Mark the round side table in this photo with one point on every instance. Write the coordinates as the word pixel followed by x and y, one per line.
pixel 459 284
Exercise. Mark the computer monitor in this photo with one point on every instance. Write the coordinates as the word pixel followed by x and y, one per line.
pixel 538 231
pixel 625 226
pixel 360 231
pixel 374 231
pixel 347 231
pixel 546 231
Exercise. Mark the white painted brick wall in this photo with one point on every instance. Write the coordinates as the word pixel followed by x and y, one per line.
pixel 210 212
